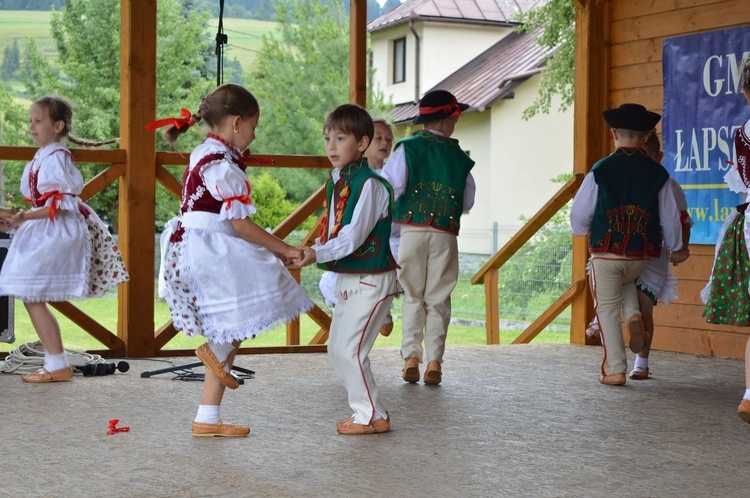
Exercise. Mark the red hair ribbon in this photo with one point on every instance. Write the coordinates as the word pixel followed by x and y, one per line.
pixel 453 109
pixel 185 119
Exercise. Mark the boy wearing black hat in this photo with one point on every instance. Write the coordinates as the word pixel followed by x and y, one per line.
pixel 626 207
pixel 433 186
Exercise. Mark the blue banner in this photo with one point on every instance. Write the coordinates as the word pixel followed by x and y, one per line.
pixel 703 107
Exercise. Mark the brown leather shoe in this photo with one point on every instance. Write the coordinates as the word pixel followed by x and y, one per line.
pixel 637 331
pixel 382 425
pixel 433 374
pixel 386 329
pixel 613 379
pixel 410 373
pixel 744 410
pixel 212 363
pixel 638 374
pixel 219 429
pixel 43 376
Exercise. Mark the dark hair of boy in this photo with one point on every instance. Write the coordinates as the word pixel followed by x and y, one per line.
pixel 350 119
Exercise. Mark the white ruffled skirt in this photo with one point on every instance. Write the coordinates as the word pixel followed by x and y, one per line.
pixel 71 257
pixel 221 286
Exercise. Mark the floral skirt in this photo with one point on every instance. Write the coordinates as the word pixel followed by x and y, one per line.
pixel 726 295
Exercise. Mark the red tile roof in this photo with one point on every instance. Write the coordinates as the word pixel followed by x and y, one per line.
pixel 491 76
pixel 467 11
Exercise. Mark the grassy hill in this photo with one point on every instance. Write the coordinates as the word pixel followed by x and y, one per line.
pixel 244 34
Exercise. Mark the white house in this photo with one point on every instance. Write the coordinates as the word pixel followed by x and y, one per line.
pixel 472 49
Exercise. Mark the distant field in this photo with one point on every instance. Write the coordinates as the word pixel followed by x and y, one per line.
pixel 23 24
pixel 244 38
pixel 244 34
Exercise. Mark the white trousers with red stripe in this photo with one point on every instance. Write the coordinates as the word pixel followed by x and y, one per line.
pixel 613 289
pixel 363 303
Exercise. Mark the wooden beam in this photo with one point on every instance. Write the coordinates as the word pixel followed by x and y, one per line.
pixel 100 181
pixel 254 350
pixel 264 160
pixel 358 52
pixel 551 313
pixel 169 181
pixel 94 328
pixel 103 156
pixel 592 94
pixel 138 186
pixel 530 228
pixel 492 306
pixel 164 334
pixel 300 214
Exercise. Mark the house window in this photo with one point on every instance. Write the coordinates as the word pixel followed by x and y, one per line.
pixel 399 60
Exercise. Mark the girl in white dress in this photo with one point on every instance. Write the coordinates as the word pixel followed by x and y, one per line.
pixel 61 250
pixel 221 274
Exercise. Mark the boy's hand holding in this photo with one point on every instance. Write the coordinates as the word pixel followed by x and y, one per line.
pixel 309 258
pixel 6 213
pixel 678 257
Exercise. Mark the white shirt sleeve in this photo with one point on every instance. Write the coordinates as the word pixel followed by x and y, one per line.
pixel 229 184
pixel 395 172
pixel 58 173
pixel 682 204
pixel 371 207
pixel 470 192
pixel 669 217
pixel 584 205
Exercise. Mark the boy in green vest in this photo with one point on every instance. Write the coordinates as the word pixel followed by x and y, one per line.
pixel 627 208
pixel 433 186
pixel 354 244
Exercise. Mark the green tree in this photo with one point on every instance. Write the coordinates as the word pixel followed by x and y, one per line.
pixel 556 20
pixel 87 37
pixel 298 78
pixel 11 61
pixel 270 199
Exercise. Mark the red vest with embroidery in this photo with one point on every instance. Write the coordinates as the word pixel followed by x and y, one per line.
pixel 195 194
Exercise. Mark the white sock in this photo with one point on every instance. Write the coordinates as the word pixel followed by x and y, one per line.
pixel 54 362
pixel 640 363
pixel 747 394
pixel 207 414
pixel 221 351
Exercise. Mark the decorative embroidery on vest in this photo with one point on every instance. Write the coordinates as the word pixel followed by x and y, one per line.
pixel 627 220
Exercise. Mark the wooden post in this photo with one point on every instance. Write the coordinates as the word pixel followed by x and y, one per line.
pixel 135 325
pixel 293 327
pixel 358 52
pixel 592 85
pixel 492 306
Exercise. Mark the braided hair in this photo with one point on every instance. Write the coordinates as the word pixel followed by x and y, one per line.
pixel 60 110
pixel 225 100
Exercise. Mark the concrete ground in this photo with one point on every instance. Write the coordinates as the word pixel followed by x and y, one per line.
pixel 526 420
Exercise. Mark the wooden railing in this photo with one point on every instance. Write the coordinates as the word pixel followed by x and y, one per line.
pixel 166 332
pixel 116 158
pixel 489 273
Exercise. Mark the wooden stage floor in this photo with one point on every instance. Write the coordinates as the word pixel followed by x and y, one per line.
pixel 526 420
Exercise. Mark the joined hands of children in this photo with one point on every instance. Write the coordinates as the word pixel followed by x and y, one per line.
pixel 291 256
pixel 10 219
pixel 678 257
pixel 308 257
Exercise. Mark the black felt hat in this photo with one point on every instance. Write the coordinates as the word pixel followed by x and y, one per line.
pixel 437 105
pixel 631 117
